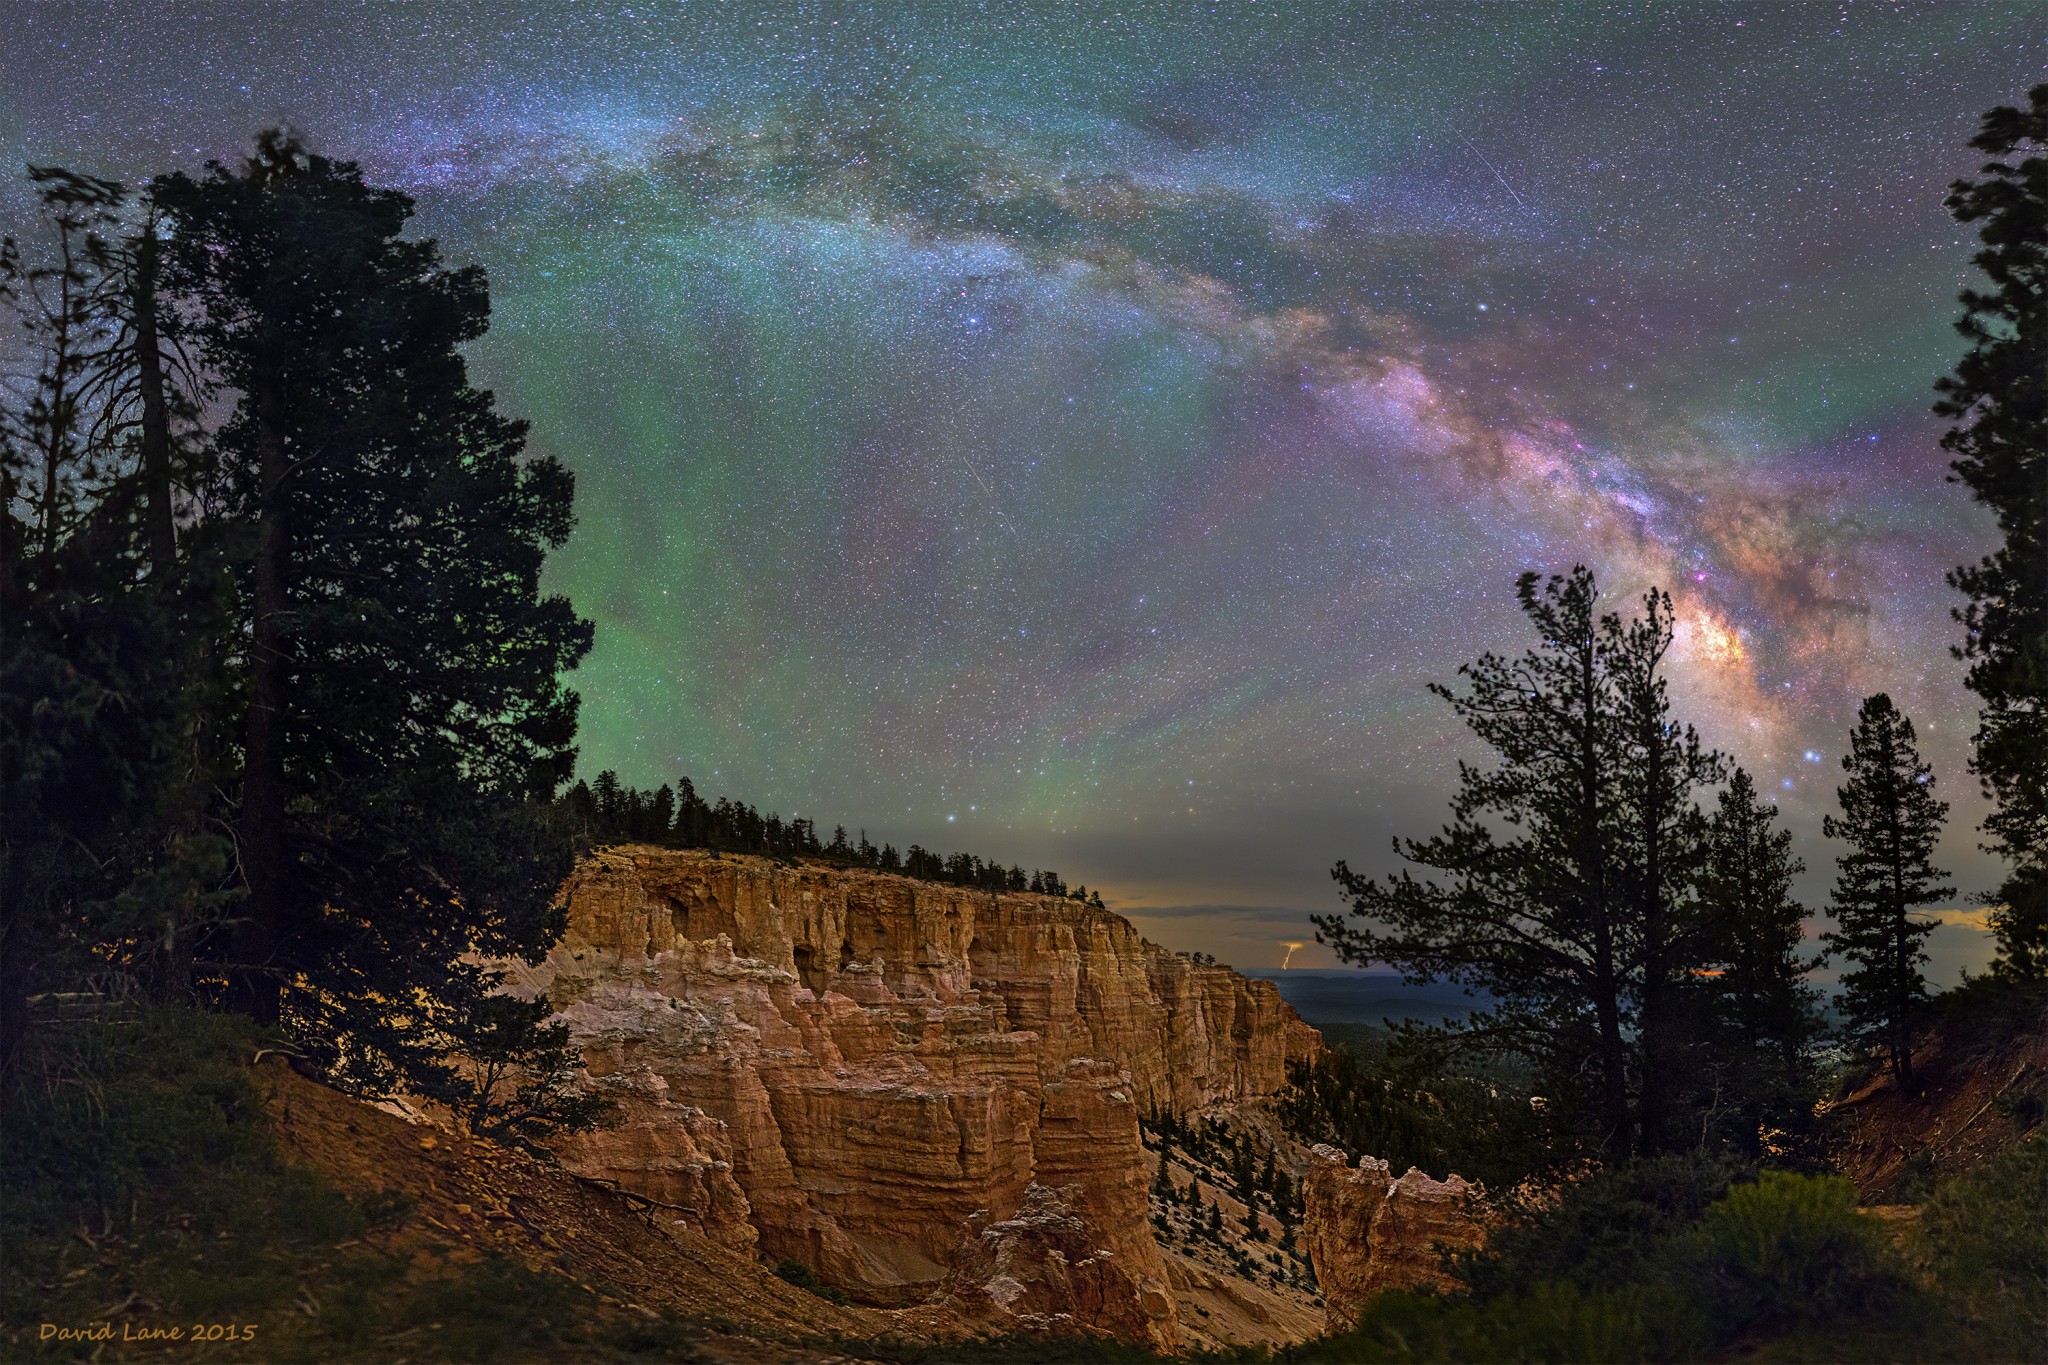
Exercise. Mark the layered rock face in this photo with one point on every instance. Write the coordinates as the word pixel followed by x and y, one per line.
pixel 917 1090
pixel 1368 1232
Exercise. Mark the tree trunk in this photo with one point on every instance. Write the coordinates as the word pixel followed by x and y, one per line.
pixel 56 436
pixel 1606 981
pixel 263 781
pixel 1613 1051
pixel 1655 1022
pixel 156 420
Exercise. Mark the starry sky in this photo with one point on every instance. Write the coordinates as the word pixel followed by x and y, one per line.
pixel 1077 434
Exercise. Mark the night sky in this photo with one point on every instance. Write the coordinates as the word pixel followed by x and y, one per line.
pixel 1077 436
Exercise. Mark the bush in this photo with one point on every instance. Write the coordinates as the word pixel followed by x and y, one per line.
pixel 112 1120
pixel 1984 1236
pixel 799 1274
pixel 1681 1258
pixel 1612 1227
pixel 1550 1321
pixel 1794 1250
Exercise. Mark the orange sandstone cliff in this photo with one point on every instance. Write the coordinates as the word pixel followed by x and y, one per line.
pixel 924 1093
pixel 1369 1232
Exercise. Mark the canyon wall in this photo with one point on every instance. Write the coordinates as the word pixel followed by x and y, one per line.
pixel 1369 1232
pixel 920 1091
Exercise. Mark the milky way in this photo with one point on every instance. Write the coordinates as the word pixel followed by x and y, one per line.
pixel 1078 436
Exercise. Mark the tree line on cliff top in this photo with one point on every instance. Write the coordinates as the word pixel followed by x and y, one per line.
pixel 606 811
pixel 1642 949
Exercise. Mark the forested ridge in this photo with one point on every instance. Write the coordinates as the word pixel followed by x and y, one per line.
pixel 603 811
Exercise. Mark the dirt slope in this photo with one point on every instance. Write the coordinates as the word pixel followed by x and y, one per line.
pixel 1981 1079
pixel 463 1197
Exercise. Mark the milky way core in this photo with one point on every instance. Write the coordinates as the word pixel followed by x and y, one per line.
pixel 1078 435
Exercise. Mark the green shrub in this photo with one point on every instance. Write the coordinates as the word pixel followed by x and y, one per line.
pixel 799 1274
pixel 796 1273
pixel 1682 1258
pixel 1550 1321
pixel 1984 1238
pixel 111 1121
pixel 1794 1250
pixel 1613 1227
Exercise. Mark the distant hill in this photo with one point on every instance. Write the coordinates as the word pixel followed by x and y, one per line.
pixel 1367 997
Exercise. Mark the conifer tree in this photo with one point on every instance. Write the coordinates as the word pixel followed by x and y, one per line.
pixel 660 816
pixel 1999 398
pixel 1891 820
pixel 1760 1010
pixel 404 719
pixel 1548 898
pixel 1662 768
pixel 106 861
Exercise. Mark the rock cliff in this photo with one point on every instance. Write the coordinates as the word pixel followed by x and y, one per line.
pixel 1367 1231
pixel 920 1091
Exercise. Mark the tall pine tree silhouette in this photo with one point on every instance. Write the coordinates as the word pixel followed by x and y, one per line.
pixel 1999 396
pixel 1567 866
pixel 1891 819
pixel 404 719
pixel 1761 1011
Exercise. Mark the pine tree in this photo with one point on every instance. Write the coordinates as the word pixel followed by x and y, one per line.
pixel 693 816
pixel 1760 1011
pixel 660 816
pixel 1568 865
pixel 95 686
pixel 1891 821
pixel 609 799
pixel 512 1078
pixel 1999 396
pixel 404 718
pixel 1663 768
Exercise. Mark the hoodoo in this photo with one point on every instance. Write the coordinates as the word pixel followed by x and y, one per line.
pixel 918 1091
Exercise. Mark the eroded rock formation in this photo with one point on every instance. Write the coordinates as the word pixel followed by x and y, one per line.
pixel 917 1090
pixel 1367 1231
